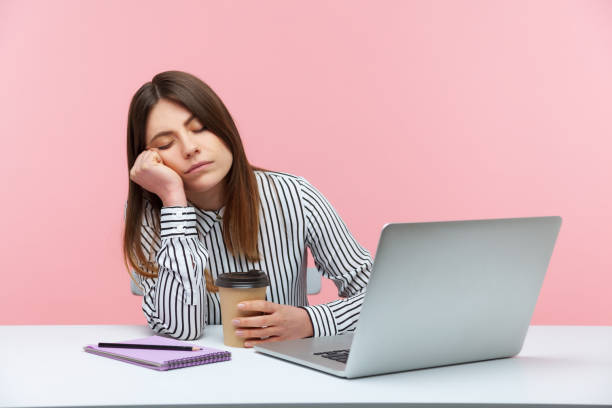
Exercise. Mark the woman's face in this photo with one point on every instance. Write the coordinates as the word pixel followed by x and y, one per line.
pixel 180 140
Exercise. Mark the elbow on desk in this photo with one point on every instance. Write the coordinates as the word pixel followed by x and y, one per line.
pixel 186 332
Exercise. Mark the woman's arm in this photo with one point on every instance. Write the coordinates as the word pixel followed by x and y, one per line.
pixel 174 303
pixel 338 255
pixel 340 258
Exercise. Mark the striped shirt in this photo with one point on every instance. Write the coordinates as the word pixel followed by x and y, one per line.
pixel 293 216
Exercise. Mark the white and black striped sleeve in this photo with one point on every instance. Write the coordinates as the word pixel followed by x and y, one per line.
pixel 340 258
pixel 174 303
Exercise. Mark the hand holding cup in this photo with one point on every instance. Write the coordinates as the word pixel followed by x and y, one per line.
pixel 278 322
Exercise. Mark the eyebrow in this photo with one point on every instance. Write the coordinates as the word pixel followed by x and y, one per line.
pixel 169 132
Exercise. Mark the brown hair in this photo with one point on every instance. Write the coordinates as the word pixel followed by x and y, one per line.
pixel 240 219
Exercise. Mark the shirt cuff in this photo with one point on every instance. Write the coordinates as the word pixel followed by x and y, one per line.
pixel 178 222
pixel 323 321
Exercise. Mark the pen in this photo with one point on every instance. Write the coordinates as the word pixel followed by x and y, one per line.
pixel 149 346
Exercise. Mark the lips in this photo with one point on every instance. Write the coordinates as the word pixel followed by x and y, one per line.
pixel 197 166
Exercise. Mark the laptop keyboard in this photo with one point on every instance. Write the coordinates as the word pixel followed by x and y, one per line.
pixel 338 355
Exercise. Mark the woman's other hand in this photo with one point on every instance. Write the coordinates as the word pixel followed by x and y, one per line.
pixel 150 172
pixel 279 322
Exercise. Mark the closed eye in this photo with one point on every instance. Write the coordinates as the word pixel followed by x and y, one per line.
pixel 170 144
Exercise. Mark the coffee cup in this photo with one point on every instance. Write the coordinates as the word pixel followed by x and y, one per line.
pixel 234 288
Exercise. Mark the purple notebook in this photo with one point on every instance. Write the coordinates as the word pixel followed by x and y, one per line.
pixel 161 359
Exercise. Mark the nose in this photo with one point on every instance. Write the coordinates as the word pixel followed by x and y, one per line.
pixel 191 150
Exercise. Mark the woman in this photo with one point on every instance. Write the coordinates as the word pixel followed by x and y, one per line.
pixel 197 208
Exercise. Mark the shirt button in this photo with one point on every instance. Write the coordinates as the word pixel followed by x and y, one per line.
pixel 179 228
pixel 179 214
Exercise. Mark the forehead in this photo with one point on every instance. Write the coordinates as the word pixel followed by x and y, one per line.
pixel 165 115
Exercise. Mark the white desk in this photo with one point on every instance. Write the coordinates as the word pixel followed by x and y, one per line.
pixel 46 366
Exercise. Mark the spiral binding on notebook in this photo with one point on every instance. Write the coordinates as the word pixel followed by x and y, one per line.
pixel 193 361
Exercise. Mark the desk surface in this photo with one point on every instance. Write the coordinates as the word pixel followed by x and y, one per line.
pixel 560 365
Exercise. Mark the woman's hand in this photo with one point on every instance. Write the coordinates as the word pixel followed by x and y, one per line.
pixel 280 322
pixel 150 172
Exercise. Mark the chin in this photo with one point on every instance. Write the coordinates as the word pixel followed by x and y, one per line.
pixel 202 185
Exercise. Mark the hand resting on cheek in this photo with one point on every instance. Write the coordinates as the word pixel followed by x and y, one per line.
pixel 150 172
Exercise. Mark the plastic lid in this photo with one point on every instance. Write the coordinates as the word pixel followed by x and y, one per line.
pixel 242 280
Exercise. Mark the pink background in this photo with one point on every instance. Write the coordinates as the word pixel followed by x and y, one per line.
pixel 396 110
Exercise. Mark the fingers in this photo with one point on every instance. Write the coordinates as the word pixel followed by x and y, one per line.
pixel 137 165
pixel 252 342
pixel 154 155
pixel 267 319
pixel 280 322
pixel 150 156
pixel 258 327
pixel 254 321
pixel 144 159
pixel 259 333
pixel 258 306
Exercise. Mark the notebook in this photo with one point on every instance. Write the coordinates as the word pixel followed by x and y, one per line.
pixel 161 360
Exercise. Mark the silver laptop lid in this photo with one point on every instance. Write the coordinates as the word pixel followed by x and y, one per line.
pixel 451 292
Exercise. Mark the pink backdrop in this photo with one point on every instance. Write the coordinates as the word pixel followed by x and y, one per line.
pixel 396 110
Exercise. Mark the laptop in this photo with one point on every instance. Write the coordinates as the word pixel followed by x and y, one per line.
pixel 440 293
